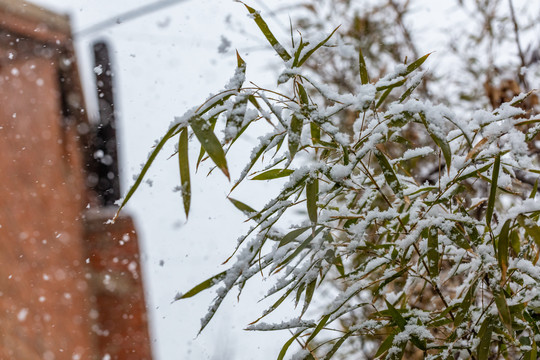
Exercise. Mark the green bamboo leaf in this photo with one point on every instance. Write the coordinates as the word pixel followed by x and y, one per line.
pixel 396 316
pixel 208 283
pixel 310 290
pixel 364 77
pixel 503 244
pixel 202 151
pixel 146 166
pixel 273 174
pixel 280 50
pixel 291 236
pixel 302 246
pixel 210 143
pixel 246 209
pixel 409 91
pixel 311 51
pixel 383 97
pixel 531 228
pixel 288 344
pixel 391 86
pixel 183 161
pixel 315 133
pixel 441 143
pixel 295 133
pixel 337 345
pixel 416 64
pixel 433 251
pixel 312 196
pixel 385 345
pixel 298 51
pixel 389 174
pixel 319 327
pixel 485 338
pixel 389 279
pixel 493 191
pixel 338 263
pixel 304 99
pixel 465 305
pixel 502 306
pixel 533 353
pixel 534 190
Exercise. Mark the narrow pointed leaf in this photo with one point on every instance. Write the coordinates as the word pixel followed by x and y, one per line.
pixel 208 283
pixel 280 50
pixel 273 174
pixel 310 290
pixel 389 174
pixel 396 316
pixel 291 236
pixel 183 161
pixel 433 252
pixel 337 345
pixel 504 311
pixel 210 143
pixel 146 166
pixel 385 345
pixel 485 338
pixel 364 77
pixel 493 191
pixel 312 196
pixel 295 133
pixel 319 327
pixel 246 209
pixel 416 64
pixel 311 51
pixel 503 244
pixel 286 346
pixel 441 143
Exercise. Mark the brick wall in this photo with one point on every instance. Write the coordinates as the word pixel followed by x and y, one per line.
pixel 70 286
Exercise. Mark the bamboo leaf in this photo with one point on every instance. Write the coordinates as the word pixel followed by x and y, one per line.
pixel 385 345
pixel 319 327
pixel 183 161
pixel 493 191
pixel 273 174
pixel 312 196
pixel 208 283
pixel 416 64
pixel 465 305
pixel 502 306
pixel 396 316
pixel 295 133
pixel 311 51
pixel 310 290
pixel 433 252
pixel 146 166
pixel 210 143
pixel 441 143
pixel 364 77
pixel 502 251
pixel 280 50
pixel 246 209
pixel 291 236
pixel 485 338
pixel 337 345
pixel 287 345
pixel 389 174
pixel 202 151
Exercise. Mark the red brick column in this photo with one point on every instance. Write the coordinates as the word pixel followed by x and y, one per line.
pixel 113 259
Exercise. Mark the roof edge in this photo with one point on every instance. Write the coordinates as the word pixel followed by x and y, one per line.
pixel 31 12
